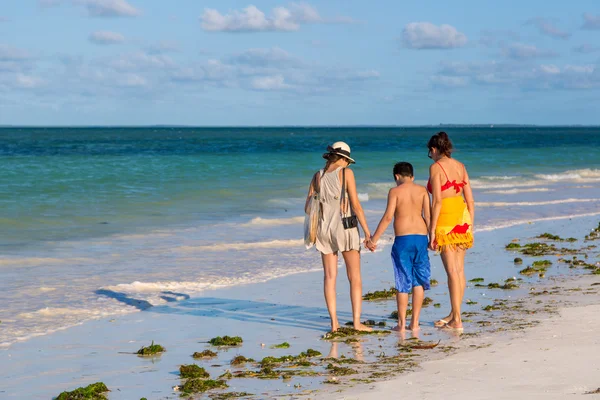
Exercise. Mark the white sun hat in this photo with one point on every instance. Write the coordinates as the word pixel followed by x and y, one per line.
pixel 340 148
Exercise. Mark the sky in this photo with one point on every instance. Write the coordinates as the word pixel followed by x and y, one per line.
pixel 334 62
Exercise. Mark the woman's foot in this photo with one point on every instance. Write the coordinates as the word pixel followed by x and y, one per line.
pixel 443 321
pixel 413 326
pixel 399 328
pixel 452 324
pixel 335 325
pixel 361 327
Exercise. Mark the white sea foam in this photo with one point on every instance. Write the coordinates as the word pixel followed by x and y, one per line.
pixel 270 244
pixel 517 191
pixel 532 203
pixel 578 175
pixel 508 224
pixel 363 197
pixel 258 221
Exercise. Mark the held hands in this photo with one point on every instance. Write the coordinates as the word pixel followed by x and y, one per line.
pixel 370 244
pixel 432 242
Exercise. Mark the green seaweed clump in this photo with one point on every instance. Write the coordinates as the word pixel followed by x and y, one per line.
pixel 310 353
pixel 344 332
pixel 226 341
pixel 394 314
pixel 229 395
pixel 95 391
pixel 240 360
pixel 594 234
pixel 470 302
pixel 542 263
pixel 151 350
pixel 512 246
pixel 197 385
pixel 538 249
pixel 284 345
pixel 475 280
pixel 427 301
pixel 192 371
pixel 380 294
pixel 433 282
pixel 371 322
pixel 437 305
pixel 204 354
pixel 555 238
pixel 340 371
pixel 518 260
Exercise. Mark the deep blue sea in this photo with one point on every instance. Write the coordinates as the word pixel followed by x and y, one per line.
pixel 143 210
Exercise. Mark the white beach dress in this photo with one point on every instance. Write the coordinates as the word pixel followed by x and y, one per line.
pixel 331 235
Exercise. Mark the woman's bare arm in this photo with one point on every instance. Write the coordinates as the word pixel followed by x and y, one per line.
pixel 435 176
pixel 311 191
pixel 426 209
pixel 355 202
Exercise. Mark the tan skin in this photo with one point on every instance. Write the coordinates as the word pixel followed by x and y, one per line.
pixel 351 257
pixel 408 206
pixel 453 260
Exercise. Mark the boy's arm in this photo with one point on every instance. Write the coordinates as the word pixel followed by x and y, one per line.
pixel 426 209
pixel 388 217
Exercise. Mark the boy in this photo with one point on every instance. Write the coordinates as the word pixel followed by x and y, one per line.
pixel 408 205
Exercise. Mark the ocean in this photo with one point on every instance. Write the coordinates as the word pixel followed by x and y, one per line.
pixel 92 216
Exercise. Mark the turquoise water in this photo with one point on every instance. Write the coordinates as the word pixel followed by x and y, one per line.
pixel 88 215
pixel 69 183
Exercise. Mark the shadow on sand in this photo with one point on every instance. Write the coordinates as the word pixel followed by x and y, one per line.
pixel 315 318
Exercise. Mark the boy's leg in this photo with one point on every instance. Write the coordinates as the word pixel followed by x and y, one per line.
pixel 330 269
pixel 417 303
pixel 402 302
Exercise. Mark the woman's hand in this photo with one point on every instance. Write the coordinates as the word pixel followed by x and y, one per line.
pixel 432 242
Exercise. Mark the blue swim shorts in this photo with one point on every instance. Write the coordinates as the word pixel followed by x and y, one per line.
pixel 411 262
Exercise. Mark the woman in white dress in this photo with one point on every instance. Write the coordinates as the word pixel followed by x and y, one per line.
pixel 332 236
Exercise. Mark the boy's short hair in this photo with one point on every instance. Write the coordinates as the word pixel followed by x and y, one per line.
pixel 403 169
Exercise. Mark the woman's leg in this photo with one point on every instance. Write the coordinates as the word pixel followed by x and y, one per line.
pixel 352 260
pixel 455 273
pixel 460 259
pixel 330 269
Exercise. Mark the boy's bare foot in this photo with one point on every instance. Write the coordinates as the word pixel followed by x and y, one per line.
pixel 399 328
pixel 361 327
pixel 413 327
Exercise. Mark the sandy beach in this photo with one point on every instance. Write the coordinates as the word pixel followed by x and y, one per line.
pixel 291 309
pixel 558 359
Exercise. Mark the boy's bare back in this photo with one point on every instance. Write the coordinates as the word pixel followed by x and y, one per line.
pixel 412 209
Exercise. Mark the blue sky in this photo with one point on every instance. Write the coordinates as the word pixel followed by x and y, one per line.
pixel 134 62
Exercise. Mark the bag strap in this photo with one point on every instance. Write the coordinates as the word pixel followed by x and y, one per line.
pixel 343 210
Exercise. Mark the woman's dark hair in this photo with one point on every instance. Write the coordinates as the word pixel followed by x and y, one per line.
pixel 442 143
pixel 403 169
pixel 331 158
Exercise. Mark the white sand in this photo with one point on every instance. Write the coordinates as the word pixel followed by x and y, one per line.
pixel 558 359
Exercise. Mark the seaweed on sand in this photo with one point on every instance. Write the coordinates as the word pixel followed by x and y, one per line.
pixel 197 385
pixel 340 371
pixel 299 360
pixel 192 371
pixel 427 301
pixel 229 395
pixel 418 345
pixel 204 354
pixel 380 294
pixel 542 263
pixel 518 260
pixel 284 345
pixel 476 280
pixel 512 246
pixel 555 238
pixel 95 391
pixel 369 322
pixel 507 285
pixel 344 332
pixel 433 282
pixel 239 360
pixel 226 341
pixel 594 234
pixel 394 314
pixel 151 350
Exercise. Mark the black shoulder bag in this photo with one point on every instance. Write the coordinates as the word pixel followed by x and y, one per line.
pixel 349 222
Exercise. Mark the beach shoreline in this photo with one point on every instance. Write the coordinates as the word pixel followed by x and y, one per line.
pixel 288 309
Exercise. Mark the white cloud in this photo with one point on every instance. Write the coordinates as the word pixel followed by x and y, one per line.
pixel 265 58
pixel 425 35
pixel 140 61
pixel 519 51
pixel 276 82
pixel 586 48
pixel 547 28
pixel 98 8
pixel 252 19
pixel 27 81
pixel 105 37
pixel 591 21
pixel 9 53
pixel 110 8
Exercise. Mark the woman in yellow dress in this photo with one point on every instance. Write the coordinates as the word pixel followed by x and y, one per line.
pixel 452 216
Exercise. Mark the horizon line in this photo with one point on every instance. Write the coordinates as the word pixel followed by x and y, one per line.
pixel 482 125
